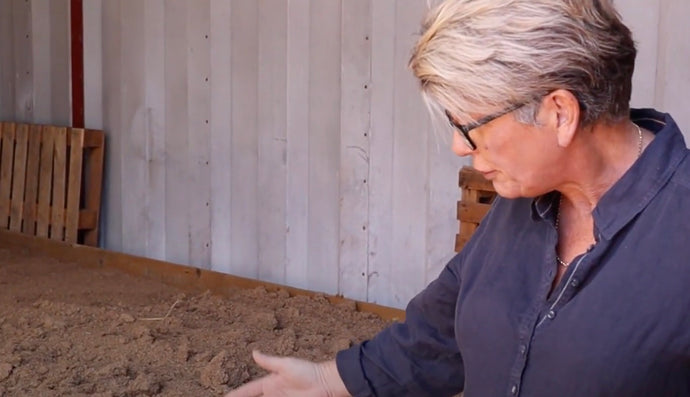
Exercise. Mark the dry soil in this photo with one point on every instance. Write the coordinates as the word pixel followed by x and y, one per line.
pixel 67 330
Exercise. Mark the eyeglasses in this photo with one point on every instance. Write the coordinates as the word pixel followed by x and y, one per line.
pixel 466 128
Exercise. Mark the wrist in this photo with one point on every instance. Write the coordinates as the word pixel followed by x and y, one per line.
pixel 331 380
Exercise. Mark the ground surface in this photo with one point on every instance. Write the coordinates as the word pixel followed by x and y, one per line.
pixel 70 331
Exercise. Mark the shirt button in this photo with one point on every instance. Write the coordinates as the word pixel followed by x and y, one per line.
pixel 575 283
pixel 514 389
pixel 551 314
pixel 523 349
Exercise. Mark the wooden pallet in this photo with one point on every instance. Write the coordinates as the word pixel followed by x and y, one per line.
pixel 477 196
pixel 50 181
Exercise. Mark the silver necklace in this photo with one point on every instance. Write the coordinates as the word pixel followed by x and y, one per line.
pixel 558 217
pixel 560 261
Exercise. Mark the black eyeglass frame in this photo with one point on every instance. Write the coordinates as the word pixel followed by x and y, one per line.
pixel 466 128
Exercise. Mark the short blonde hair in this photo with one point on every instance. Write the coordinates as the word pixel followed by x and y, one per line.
pixel 481 56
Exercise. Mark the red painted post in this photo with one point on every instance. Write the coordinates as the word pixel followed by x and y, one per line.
pixel 77 49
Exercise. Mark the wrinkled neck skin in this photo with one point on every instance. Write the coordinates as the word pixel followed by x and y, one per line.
pixel 597 158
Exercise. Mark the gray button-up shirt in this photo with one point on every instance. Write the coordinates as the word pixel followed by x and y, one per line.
pixel 618 323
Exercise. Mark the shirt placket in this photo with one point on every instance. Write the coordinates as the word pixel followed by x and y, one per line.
pixel 544 311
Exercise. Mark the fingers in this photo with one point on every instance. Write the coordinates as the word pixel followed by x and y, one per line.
pixel 251 389
pixel 256 388
pixel 270 363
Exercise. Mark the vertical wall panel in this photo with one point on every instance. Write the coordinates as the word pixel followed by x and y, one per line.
pixel 244 149
pixel 112 188
pixel 354 147
pixel 297 188
pixel 198 130
pixel 383 132
pixel 410 164
pixel 7 41
pixel 642 17
pixel 154 108
pixel 93 63
pixel 178 173
pixel 34 61
pixel 442 224
pixel 133 124
pixel 221 135
pixel 324 149
pixel 272 135
pixel 673 73
pixel 23 36
pixel 60 77
pixel 41 43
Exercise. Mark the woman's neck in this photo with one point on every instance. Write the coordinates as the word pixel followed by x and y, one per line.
pixel 602 153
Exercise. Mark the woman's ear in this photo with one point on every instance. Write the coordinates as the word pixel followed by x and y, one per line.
pixel 564 112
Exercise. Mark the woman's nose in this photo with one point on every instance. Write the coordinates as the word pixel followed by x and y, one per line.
pixel 459 146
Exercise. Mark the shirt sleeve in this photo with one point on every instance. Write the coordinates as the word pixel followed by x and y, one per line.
pixel 418 357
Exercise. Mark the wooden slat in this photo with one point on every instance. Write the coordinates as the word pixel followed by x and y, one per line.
pixel 19 177
pixel 93 138
pixel 88 220
pixel 93 183
pixel 466 232
pixel 57 215
pixel 45 182
pixel 466 229
pixel 74 184
pixel 470 178
pixel 6 172
pixel 31 188
pixel 472 212
pixel 470 195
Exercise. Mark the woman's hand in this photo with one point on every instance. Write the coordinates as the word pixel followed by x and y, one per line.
pixel 293 377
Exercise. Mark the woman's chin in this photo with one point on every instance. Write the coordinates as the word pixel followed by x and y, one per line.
pixel 509 190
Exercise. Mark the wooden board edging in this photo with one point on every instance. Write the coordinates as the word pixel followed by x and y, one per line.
pixel 185 277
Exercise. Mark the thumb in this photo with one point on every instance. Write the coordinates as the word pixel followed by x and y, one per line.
pixel 271 363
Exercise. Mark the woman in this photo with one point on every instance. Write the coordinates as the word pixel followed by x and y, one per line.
pixel 577 282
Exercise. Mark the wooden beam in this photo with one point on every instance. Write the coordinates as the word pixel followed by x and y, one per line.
pixel 93 182
pixel 88 219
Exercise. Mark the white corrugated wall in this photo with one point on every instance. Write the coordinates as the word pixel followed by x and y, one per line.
pixel 280 140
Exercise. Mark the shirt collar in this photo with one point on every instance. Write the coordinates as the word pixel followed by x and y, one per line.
pixel 636 188
pixel 627 197
pixel 545 206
